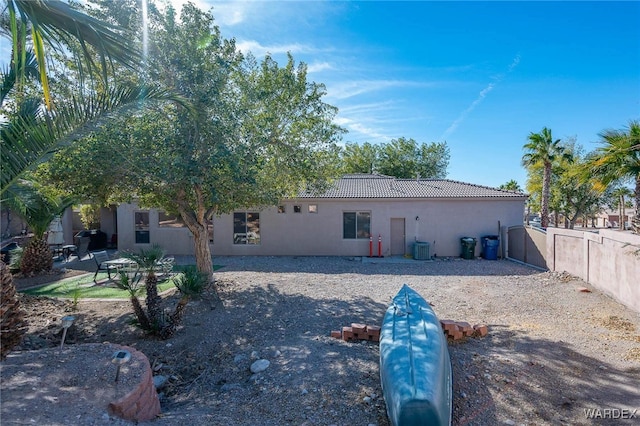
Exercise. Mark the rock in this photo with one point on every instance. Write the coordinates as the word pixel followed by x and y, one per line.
pixel 230 386
pixel 239 358
pixel 255 355
pixel 260 365
pixel 159 381
pixel 367 399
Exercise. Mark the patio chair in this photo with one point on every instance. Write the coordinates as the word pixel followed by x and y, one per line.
pixel 100 258
pixel 83 246
pixel 165 265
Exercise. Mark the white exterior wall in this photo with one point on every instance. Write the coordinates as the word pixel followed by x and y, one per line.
pixel 441 223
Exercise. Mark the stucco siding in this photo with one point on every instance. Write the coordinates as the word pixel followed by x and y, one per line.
pixel 440 222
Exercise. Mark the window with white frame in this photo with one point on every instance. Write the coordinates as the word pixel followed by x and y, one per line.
pixel 246 228
pixel 356 225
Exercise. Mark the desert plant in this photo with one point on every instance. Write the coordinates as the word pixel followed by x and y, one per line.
pixel 13 325
pixel 191 283
pixel 75 293
pixel 132 285
pixel 147 260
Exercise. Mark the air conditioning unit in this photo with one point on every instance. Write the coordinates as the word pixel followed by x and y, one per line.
pixel 421 251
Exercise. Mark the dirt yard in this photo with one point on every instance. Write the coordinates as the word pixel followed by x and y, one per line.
pixel 554 354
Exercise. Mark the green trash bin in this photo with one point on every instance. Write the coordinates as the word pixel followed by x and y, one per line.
pixel 468 247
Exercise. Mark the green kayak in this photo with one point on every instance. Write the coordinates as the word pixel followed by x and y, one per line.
pixel 415 368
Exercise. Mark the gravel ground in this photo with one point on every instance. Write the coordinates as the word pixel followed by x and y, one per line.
pixel 553 353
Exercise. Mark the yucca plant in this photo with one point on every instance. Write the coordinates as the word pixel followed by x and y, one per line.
pixel 147 260
pixel 132 286
pixel 13 325
pixel 191 283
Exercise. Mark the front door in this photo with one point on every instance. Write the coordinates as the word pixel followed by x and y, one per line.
pixel 398 244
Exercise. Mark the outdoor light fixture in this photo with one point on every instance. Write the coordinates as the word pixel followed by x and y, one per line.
pixel 67 321
pixel 119 358
pixel 417 218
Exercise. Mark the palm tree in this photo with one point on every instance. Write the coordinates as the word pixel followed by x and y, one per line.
pixel 512 185
pixel 542 149
pixel 190 283
pixel 55 23
pixel 147 260
pixel 131 285
pixel 618 160
pixel 38 209
pixel 12 324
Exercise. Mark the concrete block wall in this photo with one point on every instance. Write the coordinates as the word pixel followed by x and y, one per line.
pixel 609 260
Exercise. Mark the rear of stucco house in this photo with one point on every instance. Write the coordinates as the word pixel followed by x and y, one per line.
pixel 342 220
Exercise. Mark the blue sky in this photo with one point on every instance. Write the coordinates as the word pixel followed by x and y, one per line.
pixel 479 75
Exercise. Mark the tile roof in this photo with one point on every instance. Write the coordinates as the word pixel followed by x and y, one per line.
pixel 380 186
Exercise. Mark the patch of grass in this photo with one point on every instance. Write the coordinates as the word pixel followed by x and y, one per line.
pixel 83 287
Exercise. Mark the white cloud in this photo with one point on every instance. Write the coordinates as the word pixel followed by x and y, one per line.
pixel 483 93
pixel 230 13
pixel 259 50
pixel 319 66
pixel 349 89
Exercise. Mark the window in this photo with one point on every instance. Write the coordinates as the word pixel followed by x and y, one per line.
pixel 246 228
pixel 166 220
pixel 282 209
pixel 142 227
pixel 313 208
pixel 297 209
pixel 356 225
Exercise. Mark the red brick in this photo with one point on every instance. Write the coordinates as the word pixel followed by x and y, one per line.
pixel 337 334
pixel 448 325
pixel 374 337
pixel 481 330
pixel 347 334
pixel 457 335
pixel 373 330
pixel 358 328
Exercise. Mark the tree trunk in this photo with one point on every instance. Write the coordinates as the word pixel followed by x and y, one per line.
pixel 196 221
pixel 202 251
pixel 153 301
pixel 636 217
pixel 13 325
pixel 142 317
pixel 546 185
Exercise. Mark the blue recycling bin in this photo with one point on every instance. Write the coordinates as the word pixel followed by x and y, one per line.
pixel 490 245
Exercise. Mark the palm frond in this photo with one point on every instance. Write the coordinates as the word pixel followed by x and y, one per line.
pixel 55 23
pixel 32 138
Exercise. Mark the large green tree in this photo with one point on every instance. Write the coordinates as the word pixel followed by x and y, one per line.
pixel 617 160
pixel 543 150
pixel 360 158
pixel 260 132
pixel 404 158
pixel 401 158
